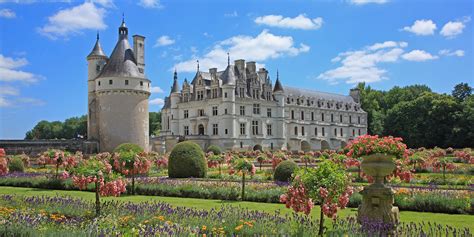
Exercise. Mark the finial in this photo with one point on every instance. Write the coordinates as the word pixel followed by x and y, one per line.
pixel 97 35
pixel 228 59
pixel 175 74
pixel 123 17
pixel 197 64
pixel 278 75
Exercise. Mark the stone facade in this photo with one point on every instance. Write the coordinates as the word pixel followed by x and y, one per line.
pixel 118 93
pixel 240 109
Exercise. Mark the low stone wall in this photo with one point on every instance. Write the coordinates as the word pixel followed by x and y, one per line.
pixel 34 147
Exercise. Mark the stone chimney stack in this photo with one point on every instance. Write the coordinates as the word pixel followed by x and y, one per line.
pixel 355 94
pixel 139 50
pixel 240 64
pixel 251 67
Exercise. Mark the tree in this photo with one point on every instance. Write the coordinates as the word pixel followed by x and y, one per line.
pixel 154 123
pixel 245 167
pixel 461 91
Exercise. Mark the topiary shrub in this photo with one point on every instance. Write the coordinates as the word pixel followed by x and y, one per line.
pixel 214 149
pixel 16 165
pixel 187 160
pixel 284 170
pixel 127 147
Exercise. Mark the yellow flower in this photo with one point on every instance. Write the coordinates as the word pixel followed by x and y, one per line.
pixel 204 228
pixel 161 218
pixel 239 227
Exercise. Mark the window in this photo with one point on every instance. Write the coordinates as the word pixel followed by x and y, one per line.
pixel 255 127
pixel 256 109
pixel 225 95
pixel 316 131
pixel 186 130
pixel 340 132
pixel 312 116
pixel 353 132
pixel 242 92
pixel 322 130
pixel 97 68
pixel 200 95
pixel 335 132
pixel 292 114
pixel 99 83
pixel 322 117
pixel 340 118
pixel 358 119
pixel 141 83
pixel 350 119
pixel 225 111
pixel 110 82
pixel 226 131
pixel 302 131
pixel 332 117
pixel 242 131
pixel 215 129
pixel 241 145
pixel 269 112
pixel 214 110
pixel 214 93
pixel 359 132
pixel 271 145
pixel 201 112
pixel 296 131
pixel 269 129
pixel 242 110
pixel 126 82
pixel 186 113
pixel 302 115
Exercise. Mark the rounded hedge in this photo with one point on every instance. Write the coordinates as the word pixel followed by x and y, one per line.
pixel 127 147
pixel 187 160
pixel 16 165
pixel 284 170
pixel 216 150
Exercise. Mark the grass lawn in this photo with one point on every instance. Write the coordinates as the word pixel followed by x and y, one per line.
pixel 406 216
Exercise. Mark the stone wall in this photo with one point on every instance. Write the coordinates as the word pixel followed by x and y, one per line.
pixel 34 147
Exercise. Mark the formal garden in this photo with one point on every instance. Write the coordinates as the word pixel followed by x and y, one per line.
pixel 190 192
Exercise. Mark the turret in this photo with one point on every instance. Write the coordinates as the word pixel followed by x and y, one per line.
pixel 175 96
pixel 279 95
pixel 96 60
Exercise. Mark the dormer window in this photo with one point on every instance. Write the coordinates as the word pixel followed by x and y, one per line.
pixel 141 83
pixel 126 82
pixel 98 83
pixel 97 68
pixel 110 82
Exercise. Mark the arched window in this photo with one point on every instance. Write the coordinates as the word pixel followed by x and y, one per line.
pixel 201 129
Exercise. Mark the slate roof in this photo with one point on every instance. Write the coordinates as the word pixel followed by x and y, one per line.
pixel 278 86
pixel 291 91
pixel 228 76
pixel 97 50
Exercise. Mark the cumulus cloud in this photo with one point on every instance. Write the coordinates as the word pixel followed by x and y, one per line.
pixel 150 3
pixel 362 2
pixel 454 28
pixel 164 41
pixel 10 70
pixel 8 90
pixel 157 101
pixel 156 89
pixel 259 48
pixel 364 65
pixel 447 52
pixel 7 13
pixel 300 22
pixel 71 21
pixel 421 27
pixel 418 56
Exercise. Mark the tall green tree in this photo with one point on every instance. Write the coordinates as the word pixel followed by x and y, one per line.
pixel 154 123
pixel 461 91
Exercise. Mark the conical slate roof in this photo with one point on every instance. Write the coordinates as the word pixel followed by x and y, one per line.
pixel 228 76
pixel 97 50
pixel 278 86
pixel 175 88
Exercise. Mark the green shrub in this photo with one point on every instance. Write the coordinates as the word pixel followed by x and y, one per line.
pixel 127 147
pixel 284 170
pixel 16 165
pixel 187 160
pixel 214 149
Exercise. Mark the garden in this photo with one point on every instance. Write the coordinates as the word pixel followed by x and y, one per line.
pixel 190 192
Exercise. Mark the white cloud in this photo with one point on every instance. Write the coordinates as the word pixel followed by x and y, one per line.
pixel 8 90
pixel 232 14
pixel 418 56
pixel 164 41
pixel 150 3
pixel 9 70
pixel 362 2
pixel 260 48
pixel 157 101
pixel 105 3
pixel 299 22
pixel 156 89
pixel 447 52
pixel 7 13
pixel 421 27
pixel 71 21
pixel 454 28
pixel 363 65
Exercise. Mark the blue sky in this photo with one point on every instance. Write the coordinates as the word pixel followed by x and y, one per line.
pixel 321 45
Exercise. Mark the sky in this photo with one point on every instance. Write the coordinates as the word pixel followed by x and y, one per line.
pixel 320 45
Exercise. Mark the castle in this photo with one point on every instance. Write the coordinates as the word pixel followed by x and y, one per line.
pixel 118 93
pixel 240 109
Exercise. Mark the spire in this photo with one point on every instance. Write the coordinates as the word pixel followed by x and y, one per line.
pixel 97 50
pixel 123 30
pixel 278 86
pixel 175 88
pixel 197 65
pixel 228 59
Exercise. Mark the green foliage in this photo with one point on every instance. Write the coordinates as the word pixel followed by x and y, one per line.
pixel 70 128
pixel 154 123
pixel 216 150
pixel 284 170
pixel 187 160
pixel 16 165
pixel 128 147
pixel 461 91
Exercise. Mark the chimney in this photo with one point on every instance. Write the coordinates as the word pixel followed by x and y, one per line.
pixel 240 64
pixel 262 74
pixel 251 67
pixel 139 50
pixel 355 94
pixel 213 72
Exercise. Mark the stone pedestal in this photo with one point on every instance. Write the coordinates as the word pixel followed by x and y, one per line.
pixel 377 210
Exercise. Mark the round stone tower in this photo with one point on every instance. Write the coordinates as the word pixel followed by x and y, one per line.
pixel 121 91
